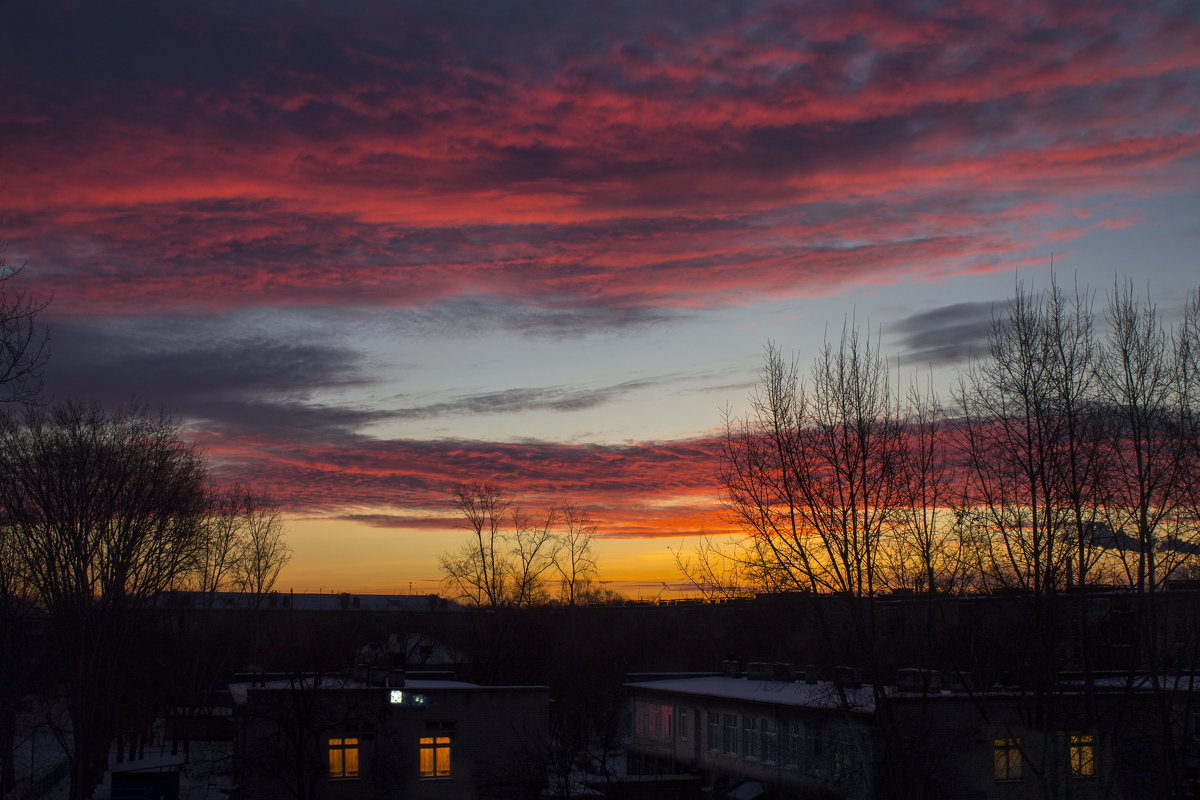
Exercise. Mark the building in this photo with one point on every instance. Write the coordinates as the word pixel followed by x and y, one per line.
pixel 755 738
pixel 341 738
pixel 768 736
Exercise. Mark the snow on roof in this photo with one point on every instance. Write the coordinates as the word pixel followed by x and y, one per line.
pixel 1168 683
pixel 821 695
pixel 241 689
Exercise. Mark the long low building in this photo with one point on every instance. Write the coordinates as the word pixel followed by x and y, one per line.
pixel 756 737
pixel 808 739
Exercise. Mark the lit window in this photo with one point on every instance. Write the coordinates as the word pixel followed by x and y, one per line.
pixel 343 758
pixel 435 756
pixel 1006 759
pixel 1082 755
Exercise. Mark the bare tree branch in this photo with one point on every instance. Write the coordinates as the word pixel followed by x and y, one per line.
pixel 24 347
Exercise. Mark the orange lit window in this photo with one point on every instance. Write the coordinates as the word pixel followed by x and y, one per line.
pixel 343 758
pixel 435 756
pixel 1006 759
pixel 1082 755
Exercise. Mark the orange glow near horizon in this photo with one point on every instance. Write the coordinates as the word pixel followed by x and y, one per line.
pixel 333 556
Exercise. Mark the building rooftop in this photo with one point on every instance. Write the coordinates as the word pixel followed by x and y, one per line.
pixel 821 695
pixel 240 689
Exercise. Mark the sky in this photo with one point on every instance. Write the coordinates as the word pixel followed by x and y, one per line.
pixel 367 250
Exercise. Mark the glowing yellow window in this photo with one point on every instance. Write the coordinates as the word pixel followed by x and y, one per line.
pixel 343 758
pixel 435 756
pixel 1082 755
pixel 1006 759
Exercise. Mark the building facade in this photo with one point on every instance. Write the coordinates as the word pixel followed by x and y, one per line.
pixel 800 739
pixel 337 738
pixel 756 737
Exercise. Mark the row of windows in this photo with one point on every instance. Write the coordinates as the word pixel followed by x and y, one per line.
pixel 434 759
pixel 761 739
pixel 1007 760
pixel 757 738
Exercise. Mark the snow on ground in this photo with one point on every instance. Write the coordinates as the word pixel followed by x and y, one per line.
pixel 38 756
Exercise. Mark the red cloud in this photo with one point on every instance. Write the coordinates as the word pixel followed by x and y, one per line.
pixel 649 489
pixel 760 148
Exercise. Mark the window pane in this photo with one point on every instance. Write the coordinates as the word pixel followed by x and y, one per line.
pixel 343 758
pixel 1083 755
pixel 1006 759
pixel 427 770
pixel 435 757
pixel 443 756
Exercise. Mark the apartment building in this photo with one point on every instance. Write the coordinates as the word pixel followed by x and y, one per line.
pixel 393 737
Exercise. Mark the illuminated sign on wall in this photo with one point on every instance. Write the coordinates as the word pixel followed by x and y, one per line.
pixel 399 697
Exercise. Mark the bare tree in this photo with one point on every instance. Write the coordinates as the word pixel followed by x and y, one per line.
pixel 811 474
pixel 1144 376
pixel 217 553
pixel 533 547
pixel 1012 434
pixel 23 345
pixel 924 552
pixel 14 649
pixel 107 511
pixel 478 572
pixel 1080 456
pixel 1188 370
pixel 244 545
pixel 23 354
pixel 510 552
pixel 262 550
pixel 574 560
pixel 716 571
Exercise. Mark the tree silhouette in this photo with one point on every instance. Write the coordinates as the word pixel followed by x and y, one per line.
pixel 107 512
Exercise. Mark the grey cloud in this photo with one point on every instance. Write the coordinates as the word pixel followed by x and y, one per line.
pixel 547 398
pixel 193 368
pixel 475 315
pixel 945 335
pixel 216 371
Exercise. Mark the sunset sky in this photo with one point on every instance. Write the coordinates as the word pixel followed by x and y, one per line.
pixel 367 250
